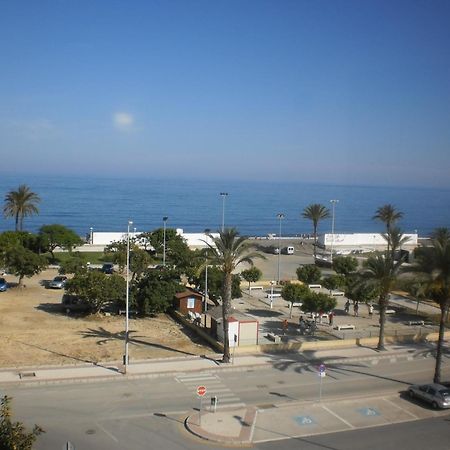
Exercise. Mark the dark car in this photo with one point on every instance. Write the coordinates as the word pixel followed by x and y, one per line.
pixel 108 268
pixel 3 285
pixel 435 394
pixel 73 304
pixel 58 282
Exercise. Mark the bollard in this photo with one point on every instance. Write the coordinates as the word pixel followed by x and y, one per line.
pixel 213 403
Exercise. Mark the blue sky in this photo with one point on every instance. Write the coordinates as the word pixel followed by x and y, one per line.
pixel 335 91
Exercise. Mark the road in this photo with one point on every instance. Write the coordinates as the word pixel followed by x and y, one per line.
pixel 149 412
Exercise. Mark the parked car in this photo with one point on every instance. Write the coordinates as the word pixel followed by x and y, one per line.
pixel 3 285
pixel 108 268
pixel 58 282
pixel 72 303
pixel 435 394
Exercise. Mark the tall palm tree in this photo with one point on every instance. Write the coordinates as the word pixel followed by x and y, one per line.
pixel 228 250
pixel 381 271
pixel 433 264
pixel 316 212
pixel 388 215
pixel 19 204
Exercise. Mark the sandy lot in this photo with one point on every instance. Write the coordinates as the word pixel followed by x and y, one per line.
pixel 35 331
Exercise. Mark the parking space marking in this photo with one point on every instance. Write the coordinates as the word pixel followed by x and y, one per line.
pixel 305 420
pixel 337 416
pixel 368 412
pixel 400 408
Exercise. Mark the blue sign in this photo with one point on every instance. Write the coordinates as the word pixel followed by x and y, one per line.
pixel 369 412
pixel 304 420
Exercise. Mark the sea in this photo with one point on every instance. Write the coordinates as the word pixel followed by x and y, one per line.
pixel 107 204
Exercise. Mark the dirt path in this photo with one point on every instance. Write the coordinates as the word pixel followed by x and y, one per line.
pixel 35 331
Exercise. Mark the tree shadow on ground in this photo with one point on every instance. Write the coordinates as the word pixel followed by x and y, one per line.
pixel 263 313
pixel 105 336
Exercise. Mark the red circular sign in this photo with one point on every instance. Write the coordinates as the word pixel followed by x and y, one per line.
pixel 201 391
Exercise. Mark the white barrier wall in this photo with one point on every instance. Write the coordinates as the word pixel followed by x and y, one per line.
pixel 362 240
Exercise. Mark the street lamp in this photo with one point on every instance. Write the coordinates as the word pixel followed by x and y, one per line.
pixel 223 195
pixel 127 298
pixel 333 204
pixel 164 240
pixel 280 217
pixel 206 275
pixel 91 236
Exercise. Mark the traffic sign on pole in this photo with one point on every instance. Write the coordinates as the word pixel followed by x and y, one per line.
pixel 201 391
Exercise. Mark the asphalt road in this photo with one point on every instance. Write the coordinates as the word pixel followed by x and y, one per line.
pixel 149 412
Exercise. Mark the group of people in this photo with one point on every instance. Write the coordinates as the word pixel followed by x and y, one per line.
pixel 356 308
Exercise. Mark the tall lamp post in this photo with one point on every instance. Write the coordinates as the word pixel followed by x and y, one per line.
pixel 333 205
pixel 164 240
pixel 91 235
pixel 206 275
pixel 127 300
pixel 224 195
pixel 280 217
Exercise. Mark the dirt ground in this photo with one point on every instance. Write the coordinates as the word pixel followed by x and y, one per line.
pixel 34 331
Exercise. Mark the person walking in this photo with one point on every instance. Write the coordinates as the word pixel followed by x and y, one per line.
pixel 330 318
pixel 355 309
pixel 302 325
pixel 370 310
pixel 347 306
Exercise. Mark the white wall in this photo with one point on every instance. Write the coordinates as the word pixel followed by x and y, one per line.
pixel 362 240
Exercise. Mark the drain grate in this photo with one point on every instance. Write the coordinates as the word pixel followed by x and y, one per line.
pixel 27 375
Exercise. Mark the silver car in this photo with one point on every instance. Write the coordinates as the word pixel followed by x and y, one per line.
pixel 58 282
pixel 435 394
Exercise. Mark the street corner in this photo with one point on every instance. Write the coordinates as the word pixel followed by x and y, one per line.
pixel 227 427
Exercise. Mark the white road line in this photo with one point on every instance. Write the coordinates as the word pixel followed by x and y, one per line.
pixel 107 432
pixel 400 408
pixel 337 416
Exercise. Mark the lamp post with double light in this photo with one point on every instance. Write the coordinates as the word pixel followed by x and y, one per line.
pixel 164 240
pixel 224 195
pixel 333 205
pixel 127 301
pixel 280 217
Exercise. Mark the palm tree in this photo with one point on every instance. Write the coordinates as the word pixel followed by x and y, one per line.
pixel 388 215
pixel 228 251
pixel 316 212
pixel 433 264
pixel 381 271
pixel 19 204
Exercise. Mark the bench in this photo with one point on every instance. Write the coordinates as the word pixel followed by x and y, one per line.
pixel 415 322
pixel 273 337
pixel 315 286
pixel 337 294
pixel 390 311
pixel 344 327
pixel 252 288
pixel 274 295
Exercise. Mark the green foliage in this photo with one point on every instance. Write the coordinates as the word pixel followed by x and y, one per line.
pixel 309 274
pixel 318 302
pixel 215 284
pixel 316 212
pixel 13 435
pixel 295 293
pixel 53 236
pixel 333 282
pixel 139 258
pixel 97 289
pixel 156 290
pixel 251 275
pixel 22 262
pixel 74 264
pixel 362 292
pixel 345 265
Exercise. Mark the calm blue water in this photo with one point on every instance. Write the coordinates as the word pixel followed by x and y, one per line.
pixel 107 205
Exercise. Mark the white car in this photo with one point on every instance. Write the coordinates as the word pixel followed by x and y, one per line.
pixel 58 282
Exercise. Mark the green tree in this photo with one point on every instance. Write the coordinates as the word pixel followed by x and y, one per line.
pixel 294 293
pixel 381 271
pixel 333 282
pixel 53 236
pixel 215 284
pixel 345 265
pixel 228 251
pixel 316 212
pixel 155 291
pixel 116 252
pixel 251 275
pixel 432 264
pixel 97 289
pixel 20 204
pixel 359 291
pixel 309 274
pixel 13 435
pixel 316 302
pixel 388 215
pixel 76 263
pixel 22 262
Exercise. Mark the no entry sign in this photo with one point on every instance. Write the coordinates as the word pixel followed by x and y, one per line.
pixel 201 391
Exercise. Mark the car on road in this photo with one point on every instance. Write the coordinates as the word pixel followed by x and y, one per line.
pixel 108 268
pixel 58 282
pixel 437 395
pixel 3 285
